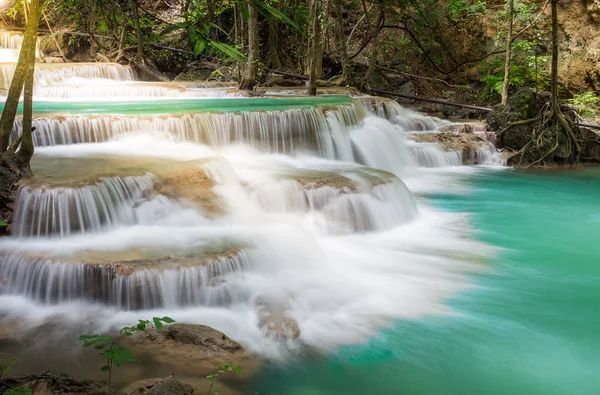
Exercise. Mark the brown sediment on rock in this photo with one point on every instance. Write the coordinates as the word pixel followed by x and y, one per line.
pixel 191 184
pixel 315 180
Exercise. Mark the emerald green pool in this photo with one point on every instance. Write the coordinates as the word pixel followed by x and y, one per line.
pixel 179 106
pixel 531 326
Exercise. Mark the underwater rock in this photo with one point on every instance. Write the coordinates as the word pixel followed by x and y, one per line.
pixel 276 321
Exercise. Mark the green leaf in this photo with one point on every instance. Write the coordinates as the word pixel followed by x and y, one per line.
pixel 244 11
pixel 191 30
pixel 227 50
pixel 198 49
pixel 104 368
pixel 172 28
pixel 167 320
pixel 156 320
pixel 3 224
pixel 141 326
pixel 275 13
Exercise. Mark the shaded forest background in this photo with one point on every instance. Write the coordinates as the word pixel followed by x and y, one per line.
pixel 452 49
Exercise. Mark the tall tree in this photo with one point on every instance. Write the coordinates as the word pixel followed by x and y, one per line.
pixel 315 50
pixel 509 39
pixel 375 45
pixel 250 74
pixel 24 75
pixel 341 39
pixel 138 29
pixel 273 41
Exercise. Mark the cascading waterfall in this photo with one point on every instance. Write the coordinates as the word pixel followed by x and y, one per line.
pixel 273 131
pixel 63 211
pixel 344 247
pixel 46 74
pixel 51 282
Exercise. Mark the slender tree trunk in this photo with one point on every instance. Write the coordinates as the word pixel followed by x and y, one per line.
pixel 273 43
pixel 138 29
pixel 509 37
pixel 554 72
pixel 251 70
pixel 342 39
pixel 314 52
pixel 375 46
pixel 26 151
pixel 121 51
pixel 25 66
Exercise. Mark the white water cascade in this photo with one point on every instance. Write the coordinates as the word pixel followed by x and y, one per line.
pixel 312 212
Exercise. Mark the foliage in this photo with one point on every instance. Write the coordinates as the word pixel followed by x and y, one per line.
pixel 227 367
pixel 115 356
pixel 585 104
pixel 5 367
pixel 527 69
pixel 3 224
pixel 461 9
pixel 198 30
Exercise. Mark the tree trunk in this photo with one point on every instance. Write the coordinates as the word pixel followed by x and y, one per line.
pixel 25 64
pixel 26 151
pixel 509 37
pixel 273 60
pixel 375 47
pixel 251 70
pixel 314 51
pixel 138 29
pixel 342 39
pixel 554 72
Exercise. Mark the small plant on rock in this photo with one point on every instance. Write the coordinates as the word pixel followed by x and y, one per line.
pixel 115 356
pixel 5 367
pixel 227 367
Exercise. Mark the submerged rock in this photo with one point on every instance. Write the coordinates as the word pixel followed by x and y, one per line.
pixel 275 321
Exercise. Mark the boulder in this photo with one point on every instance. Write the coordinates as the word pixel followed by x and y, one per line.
pixel 172 387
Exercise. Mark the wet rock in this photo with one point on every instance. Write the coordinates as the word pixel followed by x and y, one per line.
pixel 56 384
pixel 591 145
pixel 198 342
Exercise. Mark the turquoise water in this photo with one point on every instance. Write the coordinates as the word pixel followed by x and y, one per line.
pixel 532 326
pixel 181 106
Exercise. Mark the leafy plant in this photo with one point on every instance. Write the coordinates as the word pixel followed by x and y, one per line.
pixel 3 224
pixel 198 29
pixel 107 346
pixel 5 367
pixel 227 367
pixel 585 104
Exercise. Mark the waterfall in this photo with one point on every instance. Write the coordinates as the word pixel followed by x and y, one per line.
pixel 380 207
pixel 54 73
pixel 408 119
pixel 62 211
pixel 283 131
pixel 170 285
pixel 382 145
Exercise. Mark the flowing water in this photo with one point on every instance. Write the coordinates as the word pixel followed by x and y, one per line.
pixel 406 271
